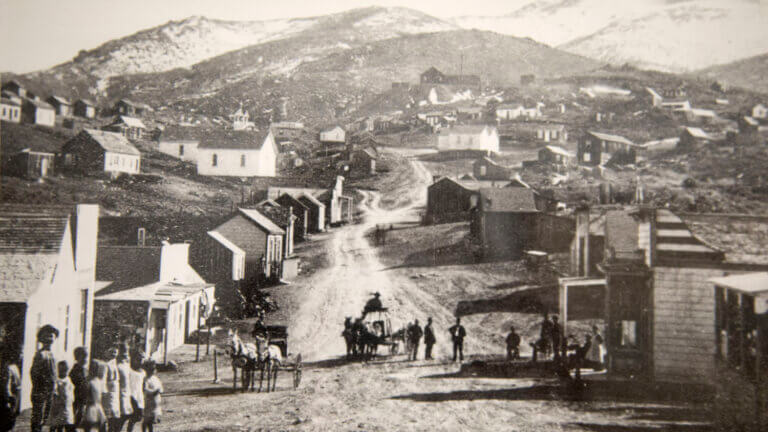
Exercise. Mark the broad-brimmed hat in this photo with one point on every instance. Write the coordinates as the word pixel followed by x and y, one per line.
pixel 46 330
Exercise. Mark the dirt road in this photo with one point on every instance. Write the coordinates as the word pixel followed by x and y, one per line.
pixel 354 274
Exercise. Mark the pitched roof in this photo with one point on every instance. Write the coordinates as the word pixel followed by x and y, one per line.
pixel 112 141
pixel 508 200
pixel 653 92
pixel 183 133
pixel 611 138
pixel 37 103
pixel 61 100
pixel 467 129
pixel 749 283
pixel 86 101
pixel 559 150
pixel 225 242
pixel 6 101
pixel 119 264
pixel 159 293
pixel 700 112
pixel 232 139
pixel 294 202
pixel 697 132
pixel 129 121
pixel 279 215
pixel 29 247
pixel 261 220
pixel 307 197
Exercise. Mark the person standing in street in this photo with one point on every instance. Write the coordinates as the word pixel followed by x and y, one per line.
pixel 457 336
pixel 79 377
pixel 110 398
pixel 513 345
pixel 558 338
pixel 416 334
pixel 429 339
pixel 44 375
pixel 10 388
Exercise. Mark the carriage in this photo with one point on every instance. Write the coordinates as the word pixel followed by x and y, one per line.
pixel 379 323
pixel 267 355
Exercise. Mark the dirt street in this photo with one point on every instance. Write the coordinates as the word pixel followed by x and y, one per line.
pixel 387 394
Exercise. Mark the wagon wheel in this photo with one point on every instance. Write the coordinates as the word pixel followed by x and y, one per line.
pixel 297 372
pixel 394 348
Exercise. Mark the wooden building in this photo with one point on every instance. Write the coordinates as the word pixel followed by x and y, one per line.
pixel 556 156
pixel 237 153
pixel 300 211
pixel 596 148
pixel 37 112
pixel 284 218
pixel 160 307
pixel 692 138
pixel 336 206
pixel 10 110
pixel 362 161
pixel 472 138
pixel 85 108
pixel 434 76
pixel 31 164
pixel 485 168
pixel 504 221
pixel 334 135
pixel 660 306
pixel 46 253
pixel 452 200
pixel 130 127
pixel 94 151
pixel 61 104
pixel 180 141
pixel 125 107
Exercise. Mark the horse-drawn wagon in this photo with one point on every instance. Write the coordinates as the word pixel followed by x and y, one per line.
pixel 267 354
pixel 366 334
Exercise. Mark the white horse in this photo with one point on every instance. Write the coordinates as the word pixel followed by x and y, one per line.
pixel 249 357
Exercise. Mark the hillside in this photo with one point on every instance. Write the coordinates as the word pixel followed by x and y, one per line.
pixel 670 35
pixel 182 44
pixel 748 73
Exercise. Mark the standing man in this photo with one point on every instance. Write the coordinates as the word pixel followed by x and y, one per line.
pixel 10 388
pixel 429 339
pixel 558 339
pixel 416 334
pixel 457 336
pixel 513 345
pixel 44 375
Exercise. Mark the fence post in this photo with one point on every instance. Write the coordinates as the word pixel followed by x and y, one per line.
pixel 215 367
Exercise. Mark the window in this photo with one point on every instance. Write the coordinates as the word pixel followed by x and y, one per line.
pixel 242 160
pixel 483 170
pixel 83 311
pixel 629 334
pixel 66 328
pixel 181 150
pixel 215 160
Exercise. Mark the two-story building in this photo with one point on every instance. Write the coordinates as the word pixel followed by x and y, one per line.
pixel 596 148
pixel 130 127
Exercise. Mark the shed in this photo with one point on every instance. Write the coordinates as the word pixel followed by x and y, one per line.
pixel 504 222
pixel 85 108
pixel 94 151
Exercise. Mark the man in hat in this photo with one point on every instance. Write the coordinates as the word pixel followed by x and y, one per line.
pixel 457 336
pixel 429 339
pixel 373 304
pixel 513 345
pixel 44 375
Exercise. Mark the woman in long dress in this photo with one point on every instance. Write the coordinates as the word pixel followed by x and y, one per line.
pixel 595 353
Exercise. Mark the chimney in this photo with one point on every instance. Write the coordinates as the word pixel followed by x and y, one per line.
pixel 85 229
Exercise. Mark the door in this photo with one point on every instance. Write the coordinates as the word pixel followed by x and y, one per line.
pixel 629 341
pixel 187 317
pixel 44 167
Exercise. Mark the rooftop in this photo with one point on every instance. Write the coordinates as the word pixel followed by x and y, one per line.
pixel 232 139
pixel 129 121
pixel 611 138
pixel 508 200
pixel 263 221
pixel 467 129
pixel 112 141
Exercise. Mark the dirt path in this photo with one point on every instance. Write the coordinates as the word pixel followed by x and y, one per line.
pixel 354 274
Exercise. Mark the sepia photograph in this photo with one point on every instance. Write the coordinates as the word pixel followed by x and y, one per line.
pixel 382 215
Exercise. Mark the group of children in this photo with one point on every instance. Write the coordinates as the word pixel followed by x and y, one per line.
pixel 101 397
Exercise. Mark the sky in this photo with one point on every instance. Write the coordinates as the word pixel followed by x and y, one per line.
pixel 38 34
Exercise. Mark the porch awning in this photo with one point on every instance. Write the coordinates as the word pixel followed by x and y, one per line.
pixel 751 284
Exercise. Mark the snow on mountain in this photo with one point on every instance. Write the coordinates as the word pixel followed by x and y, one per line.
pixel 669 35
pixel 195 39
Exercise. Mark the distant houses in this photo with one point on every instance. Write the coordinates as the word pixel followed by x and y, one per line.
pixel 332 136
pixel 504 220
pixel 362 161
pixel 514 111
pixel 480 138
pixel 10 110
pixel 556 156
pixel 94 151
pixel 692 138
pixel 61 104
pixel 237 153
pixel 130 108
pixel 451 200
pixel 31 164
pixel 130 127
pixel 596 148
pixel 85 108
pixel 37 112
pixel 434 76
pixel 487 169
pixel 326 205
